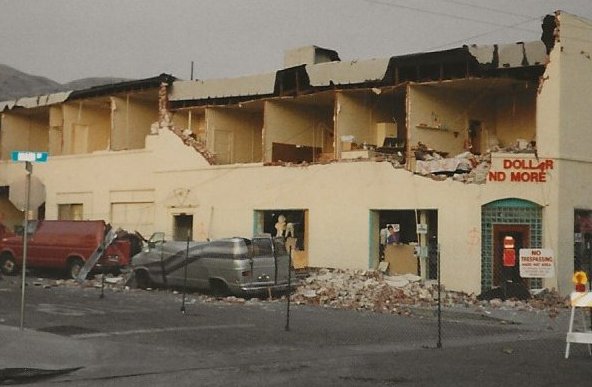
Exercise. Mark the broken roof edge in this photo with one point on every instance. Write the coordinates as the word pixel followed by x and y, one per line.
pixel 138 84
pixel 6 105
pixel 347 72
pixel 519 54
pixel 36 101
pixel 101 90
pixel 258 84
pixel 376 70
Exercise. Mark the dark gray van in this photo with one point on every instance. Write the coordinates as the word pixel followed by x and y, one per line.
pixel 237 266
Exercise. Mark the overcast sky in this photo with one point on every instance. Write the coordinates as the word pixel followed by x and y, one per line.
pixel 71 39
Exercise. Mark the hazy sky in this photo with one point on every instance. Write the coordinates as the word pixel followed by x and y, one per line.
pixel 71 39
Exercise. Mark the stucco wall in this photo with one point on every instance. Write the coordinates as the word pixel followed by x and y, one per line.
pixel 563 133
pixel 222 199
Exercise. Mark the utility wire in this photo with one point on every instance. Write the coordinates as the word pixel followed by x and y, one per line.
pixel 466 39
pixel 487 8
pixel 437 13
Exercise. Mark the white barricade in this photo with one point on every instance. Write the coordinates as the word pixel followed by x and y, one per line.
pixel 579 300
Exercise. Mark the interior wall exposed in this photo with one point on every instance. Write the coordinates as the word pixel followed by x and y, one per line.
pixel 515 115
pixel 391 109
pixel 355 117
pixel 286 122
pixel 56 130
pixel 437 118
pixel 194 120
pixel 24 132
pixel 86 128
pixel 132 118
pixel 238 129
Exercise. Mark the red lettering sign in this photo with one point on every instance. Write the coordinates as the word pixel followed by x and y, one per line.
pixel 497 176
pixel 523 171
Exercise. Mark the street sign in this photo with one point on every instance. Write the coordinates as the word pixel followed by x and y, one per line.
pixel 28 157
pixel 32 157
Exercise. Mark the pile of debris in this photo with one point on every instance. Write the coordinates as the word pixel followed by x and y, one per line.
pixel 465 167
pixel 377 292
pixel 363 290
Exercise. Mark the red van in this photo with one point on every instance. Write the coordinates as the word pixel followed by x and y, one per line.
pixel 64 245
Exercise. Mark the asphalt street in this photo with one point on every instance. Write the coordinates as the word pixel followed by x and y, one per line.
pixel 135 337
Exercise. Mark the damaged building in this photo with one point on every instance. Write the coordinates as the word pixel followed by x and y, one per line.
pixel 457 149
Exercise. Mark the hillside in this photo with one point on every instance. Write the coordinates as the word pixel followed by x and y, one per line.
pixel 15 84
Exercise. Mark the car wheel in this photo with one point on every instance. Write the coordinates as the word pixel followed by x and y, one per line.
pixel 74 267
pixel 7 264
pixel 142 279
pixel 218 288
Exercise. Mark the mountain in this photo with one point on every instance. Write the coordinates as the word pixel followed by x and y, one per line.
pixel 85 83
pixel 15 84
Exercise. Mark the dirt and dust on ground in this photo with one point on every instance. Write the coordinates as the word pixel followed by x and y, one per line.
pixel 363 290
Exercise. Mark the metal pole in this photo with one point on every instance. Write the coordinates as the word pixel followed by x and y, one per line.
pixel 185 274
pixel 439 344
pixel 102 283
pixel 29 168
pixel 289 288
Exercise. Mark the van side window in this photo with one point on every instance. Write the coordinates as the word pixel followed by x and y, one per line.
pixel 218 249
pixel 279 245
pixel 262 248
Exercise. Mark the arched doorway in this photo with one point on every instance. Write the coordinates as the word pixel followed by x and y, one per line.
pixel 518 218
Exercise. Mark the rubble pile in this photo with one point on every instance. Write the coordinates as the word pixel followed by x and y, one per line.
pixel 467 167
pixel 377 292
pixel 191 140
pixel 363 290
pixel 373 291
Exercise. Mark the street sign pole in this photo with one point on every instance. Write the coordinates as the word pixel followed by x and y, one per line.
pixel 29 168
pixel 29 157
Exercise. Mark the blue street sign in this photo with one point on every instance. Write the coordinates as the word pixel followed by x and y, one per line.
pixel 33 157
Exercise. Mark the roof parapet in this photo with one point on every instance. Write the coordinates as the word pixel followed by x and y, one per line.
pixel 309 55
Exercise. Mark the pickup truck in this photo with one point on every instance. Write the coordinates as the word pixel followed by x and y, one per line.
pixel 64 245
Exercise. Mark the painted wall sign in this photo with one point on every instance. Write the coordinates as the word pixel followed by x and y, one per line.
pixel 537 263
pixel 522 171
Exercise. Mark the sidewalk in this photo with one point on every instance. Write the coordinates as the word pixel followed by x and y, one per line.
pixel 40 350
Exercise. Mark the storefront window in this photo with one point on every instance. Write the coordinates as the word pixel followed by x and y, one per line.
pixel 583 240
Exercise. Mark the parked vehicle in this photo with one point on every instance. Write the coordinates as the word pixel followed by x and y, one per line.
pixel 238 266
pixel 63 245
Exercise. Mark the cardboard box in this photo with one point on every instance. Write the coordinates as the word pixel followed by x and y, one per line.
pixel 401 259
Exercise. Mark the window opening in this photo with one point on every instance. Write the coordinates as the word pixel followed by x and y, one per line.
pixel 71 211
pixel 182 227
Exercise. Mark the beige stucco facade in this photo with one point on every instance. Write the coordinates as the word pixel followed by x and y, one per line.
pixel 108 155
